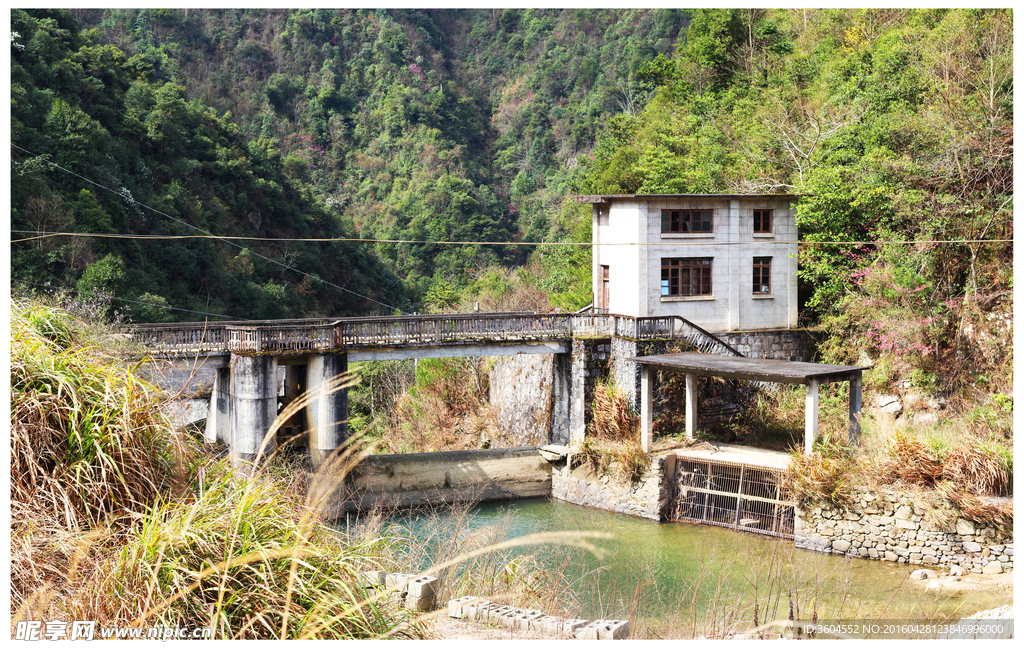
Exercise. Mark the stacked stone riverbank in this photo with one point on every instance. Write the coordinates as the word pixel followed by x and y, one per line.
pixel 893 526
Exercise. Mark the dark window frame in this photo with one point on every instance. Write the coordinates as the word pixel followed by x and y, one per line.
pixel 763 221
pixel 762 276
pixel 684 221
pixel 686 276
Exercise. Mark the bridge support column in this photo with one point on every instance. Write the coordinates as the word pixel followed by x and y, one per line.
pixel 218 422
pixel 254 406
pixel 561 398
pixel 326 414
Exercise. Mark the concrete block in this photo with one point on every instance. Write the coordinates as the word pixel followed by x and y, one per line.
pixel 372 579
pixel 604 630
pixel 398 581
pixel 551 625
pixel 505 615
pixel 424 586
pixel 478 611
pixel 522 620
pixel 420 603
pixel 456 607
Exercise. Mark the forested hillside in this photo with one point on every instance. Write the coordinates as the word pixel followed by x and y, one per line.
pixel 122 136
pixel 452 125
pixel 897 125
pixel 421 125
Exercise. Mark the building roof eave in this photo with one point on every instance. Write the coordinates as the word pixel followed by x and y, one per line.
pixel 606 198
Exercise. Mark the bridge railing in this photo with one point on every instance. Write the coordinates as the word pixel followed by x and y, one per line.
pixel 591 325
pixel 459 328
pixel 307 336
pixel 284 339
pixel 191 338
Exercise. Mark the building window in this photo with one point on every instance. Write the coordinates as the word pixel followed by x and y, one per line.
pixel 684 221
pixel 685 277
pixel 762 221
pixel 762 275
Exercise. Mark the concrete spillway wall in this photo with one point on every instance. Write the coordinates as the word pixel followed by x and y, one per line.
pixel 443 477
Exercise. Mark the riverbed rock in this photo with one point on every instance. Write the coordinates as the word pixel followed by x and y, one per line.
pixel 993 568
pixel 841 546
pixel 924 573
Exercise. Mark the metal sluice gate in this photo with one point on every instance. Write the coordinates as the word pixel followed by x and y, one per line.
pixel 737 496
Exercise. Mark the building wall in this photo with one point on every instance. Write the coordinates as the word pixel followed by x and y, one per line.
pixel 635 271
pixel 621 225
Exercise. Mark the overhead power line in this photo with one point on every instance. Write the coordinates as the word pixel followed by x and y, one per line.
pixel 205 232
pixel 671 242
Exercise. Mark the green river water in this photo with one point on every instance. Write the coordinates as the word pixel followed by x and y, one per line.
pixel 681 579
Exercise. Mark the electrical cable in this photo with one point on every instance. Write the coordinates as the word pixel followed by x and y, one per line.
pixel 702 242
pixel 132 201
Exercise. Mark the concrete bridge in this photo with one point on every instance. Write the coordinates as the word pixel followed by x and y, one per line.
pixel 246 356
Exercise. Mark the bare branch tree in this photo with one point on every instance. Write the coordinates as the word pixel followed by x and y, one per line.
pixel 804 133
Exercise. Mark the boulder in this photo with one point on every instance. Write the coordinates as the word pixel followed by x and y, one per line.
pixel 841 546
pixel 993 568
pixel 923 574
pixel 889 406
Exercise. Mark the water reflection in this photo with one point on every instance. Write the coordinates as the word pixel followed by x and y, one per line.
pixel 663 575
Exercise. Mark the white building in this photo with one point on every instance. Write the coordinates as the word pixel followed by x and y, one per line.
pixel 726 262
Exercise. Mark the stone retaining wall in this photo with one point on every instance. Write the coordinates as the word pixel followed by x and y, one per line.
pixel 892 526
pixel 580 485
pixel 627 374
pixel 780 344
pixel 520 398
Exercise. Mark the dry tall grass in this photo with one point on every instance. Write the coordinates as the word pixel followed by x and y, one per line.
pixel 611 417
pixel 117 519
pixel 86 442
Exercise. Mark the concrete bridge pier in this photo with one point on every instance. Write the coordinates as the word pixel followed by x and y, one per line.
pixel 326 414
pixel 254 407
pixel 218 421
